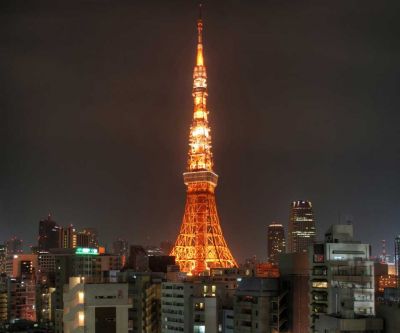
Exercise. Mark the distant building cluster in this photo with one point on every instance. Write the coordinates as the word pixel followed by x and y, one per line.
pixel 333 285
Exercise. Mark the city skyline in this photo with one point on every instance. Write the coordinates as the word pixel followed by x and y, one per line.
pixel 96 128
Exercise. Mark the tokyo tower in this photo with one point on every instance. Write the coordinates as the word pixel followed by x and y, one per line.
pixel 200 244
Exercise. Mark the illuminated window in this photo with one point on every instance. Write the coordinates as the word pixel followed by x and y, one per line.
pixel 81 318
pixel 199 329
pixel 199 306
pixel 213 288
pixel 81 297
pixel 320 284
pixel 318 258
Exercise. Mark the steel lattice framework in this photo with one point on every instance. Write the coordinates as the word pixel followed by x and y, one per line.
pixel 200 244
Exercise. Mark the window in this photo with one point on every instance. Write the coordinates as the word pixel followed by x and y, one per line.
pixel 320 284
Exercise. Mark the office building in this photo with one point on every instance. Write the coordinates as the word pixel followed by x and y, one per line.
pixel 69 239
pixel 21 265
pixel 301 227
pixel 14 246
pixel 95 307
pixel 3 299
pixel 3 258
pixel 275 241
pixel 397 257
pixel 49 234
pixel 92 236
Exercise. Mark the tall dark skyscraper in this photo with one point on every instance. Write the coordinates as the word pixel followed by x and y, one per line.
pixel 276 241
pixel 49 234
pixel 301 227
pixel 397 256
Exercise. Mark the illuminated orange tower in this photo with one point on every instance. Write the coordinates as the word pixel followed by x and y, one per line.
pixel 200 244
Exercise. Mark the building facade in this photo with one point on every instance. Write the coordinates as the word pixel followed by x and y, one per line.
pixel 188 307
pixel 295 275
pixel 70 263
pixel 397 258
pixel 342 287
pixel 14 246
pixel 49 234
pixel 259 306
pixel 301 227
pixel 144 291
pixel 95 307
pixel 275 241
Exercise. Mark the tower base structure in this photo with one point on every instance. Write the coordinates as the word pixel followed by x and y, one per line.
pixel 200 244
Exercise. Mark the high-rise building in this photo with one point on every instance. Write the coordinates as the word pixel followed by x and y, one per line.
pixel 14 246
pixel 3 257
pixel 342 289
pixel 82 239
pixel 120 248
pixel 200 244
pixel 69 238
pixel 397 256
pixel 301 227
pixel 276 241
pixel 49 234
pixel 92 236
pixel 3 298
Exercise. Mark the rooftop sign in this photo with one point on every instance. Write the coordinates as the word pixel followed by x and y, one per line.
pixel 86 250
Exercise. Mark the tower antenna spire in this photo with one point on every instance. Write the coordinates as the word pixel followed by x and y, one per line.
pixel 200 58
pixel 200 10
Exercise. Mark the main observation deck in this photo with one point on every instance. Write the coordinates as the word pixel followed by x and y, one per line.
pixel 200 177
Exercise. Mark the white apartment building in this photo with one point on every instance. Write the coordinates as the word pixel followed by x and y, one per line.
pixel 95 307
pixel 342 284
pixel 189 307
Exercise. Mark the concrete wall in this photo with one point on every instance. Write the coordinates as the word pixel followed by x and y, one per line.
pixel 390 313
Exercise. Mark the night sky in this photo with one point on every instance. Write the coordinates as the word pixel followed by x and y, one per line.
pixel 95 104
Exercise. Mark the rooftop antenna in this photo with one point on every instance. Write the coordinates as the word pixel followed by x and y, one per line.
pixel 200 8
